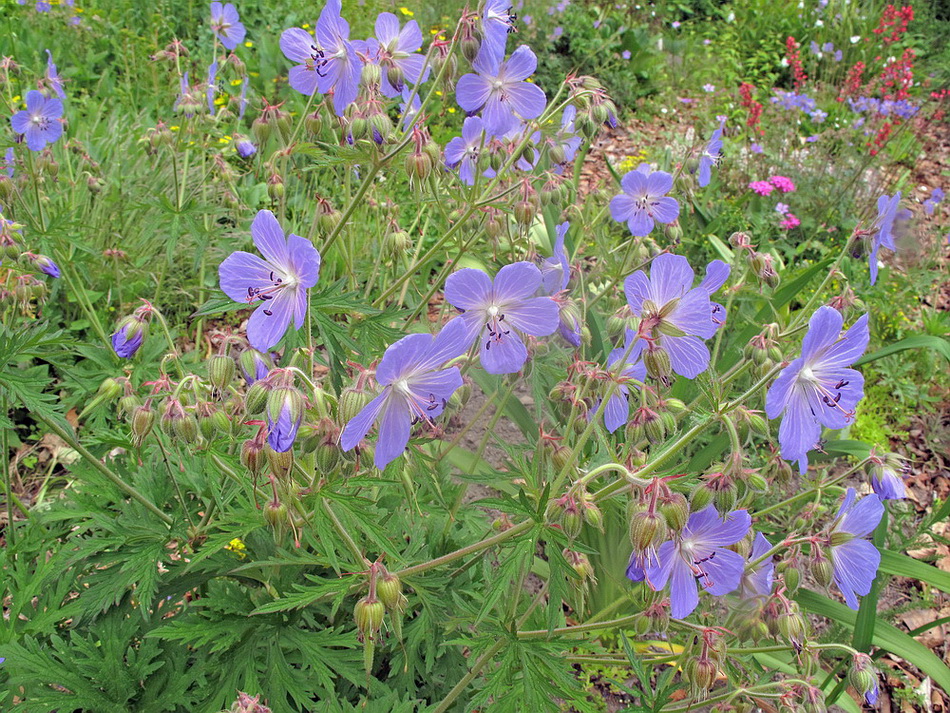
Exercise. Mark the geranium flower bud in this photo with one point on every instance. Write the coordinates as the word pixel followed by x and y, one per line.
pixel 675 510
pixel 256 397
pixel 252 456
pixel 704 674
pixel 700 498
pixel 110 389
pixel 186 427
pixel 580 564
pixel 143 419
pixel 418 166
pixel 255 365
pixel 657 361
pixel 647 529
pixel 275 514
pixel 369 614
pixel 822 569
pixel 128 404
pixel 389 591
pixel 275 187
pixel 396 243
pixel 470 46
pixel 130 335
pixel 593 515
pixel 863 678
pixel 791 626
pixel 280 461
pixel 352 401
pixel 221 371
pixel 525 212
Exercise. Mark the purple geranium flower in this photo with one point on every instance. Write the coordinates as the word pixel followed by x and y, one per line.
pixel 935 197
pixel 555 275
pixel 284 414
pixel 853 558
pixel 130 335
pixel 818 389
pixel 498 21
pixel 280 281
pixel 644 200
pixel 244 146
pixel 887 482
pixel 255 365
pixel 329 63
pixel 463 151
pixel 617 410
pixel 699 556
pixel 44 264
pixel 40 121
pixel 397 53
pixel 211 89
pixel 6 166
pixel 758 582
pixel 52 76
pixel 676 315
pixel 416 389
pixel 226 25
pixel 711 155
pixel 242 100
pixel 501 92
pixel 565 142
pixel 495 312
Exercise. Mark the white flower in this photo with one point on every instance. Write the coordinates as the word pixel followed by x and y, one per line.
pixel 819 23
pixel 731 17
pixel 855 39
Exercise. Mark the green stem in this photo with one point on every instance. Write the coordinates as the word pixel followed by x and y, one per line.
pixel 523 526
pixel 341 531
pixel 102 468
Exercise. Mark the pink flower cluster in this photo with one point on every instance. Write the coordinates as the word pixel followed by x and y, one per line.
pixel 789 221
pixel 784 184
pixel 764 188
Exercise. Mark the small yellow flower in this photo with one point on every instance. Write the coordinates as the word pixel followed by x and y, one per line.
pixel 438 93
pixel 16 98
pixel 306 26
pixel 248 44
pixel 174 128
pixel 434 31
pixel 224 140
pixel 254 74
pixel 451 110
pixel 236 82
pixel 237 546
pixel 406 11
pixel 219 101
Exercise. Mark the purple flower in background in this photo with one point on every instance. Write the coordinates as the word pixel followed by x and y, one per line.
pixel 498 21
pixel 710 156
pixel 853 558
pixel 556 270
pixel 709 88
pixel 758 582
pixel 566 142
pixel 617 410
pixel 43 6
pixel 557 32
pixel 699 556
pixel 242 101
pixel 839 55
pixel 936 197
pixel 40 122
pixel 284 413
pixel 279 282
pixel 52 76
pixel 502 93
pixel 416 388
pixel 398 53
pixel 882 232
pixel 463 151
pixel 887 482
pixel 8 162
pixel 818 388
pixel 669 305
pixel 244 147
pixel 626 54
pixel 781 208
pixel 644 201
pixel 675 24
pixel 44 264
pixel 226 25
pixel 828 47
pixel 756 148
pixel 494 312
pixel 327 64
pixel 211 89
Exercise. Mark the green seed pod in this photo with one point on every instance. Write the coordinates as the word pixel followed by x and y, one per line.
pixel 757 482
pixel 657 362
pixel 593 516
pixel 369 615
pixel 524 212
pixel 418 166
pixel 572 521
pixel 389 591
pixel 252 456
pixel 207 427
pixel 705 674
pixel 275 514
pixel 654 428
pixel 793 578
pixel 726 498
pixel 110 389
pixel 647 529
pixel 221 371
pixel 261 130
pixel 313 123
pixel 372 74
pixel 470 46
pixel 327 457
pixel 186 427
pixel 700 498
pixel 143 420
pixel 351 403
pixel 397 243
pixel 676 511
pixel 822 570
pixel 128 404
pixel 791 626
pixel 280 462
pixel 256 397
pixel 862 676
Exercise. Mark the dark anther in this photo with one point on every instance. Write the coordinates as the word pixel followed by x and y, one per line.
pixel 841 384
pixel 268 313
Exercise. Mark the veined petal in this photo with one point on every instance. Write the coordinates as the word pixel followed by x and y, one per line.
pixel 297 45
pixel 861 519
pixel 659 568
pixel 526 100
pixel 516 281
pixel 692 314
pixel 357 428
pixel 403 358
pixel 724 569
pixel 387 28
pixel 684 597
pixel 521 64
pixel 270 240
pixel 434 389
pixel 622 207
pixel 855 566
pixel 240 271
pixel 640 223
pixel 452 341
pixel 824 327
pixel 776 399
pixel 659 183
pixel 708 529
pixel 634 183
pixel 471 92
pixel 303 79
pixel 851 346
pixel 537 316
pixel 689 356
pixel 671 277
pixel 616 412
pixel 468 289
pixel 666 209
pixel 799 431
pixel 304 260
pixel 498 116
pixel 270 320
pixel 395 423
pixel 504 356
pixel 717 272
pixel 637 289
